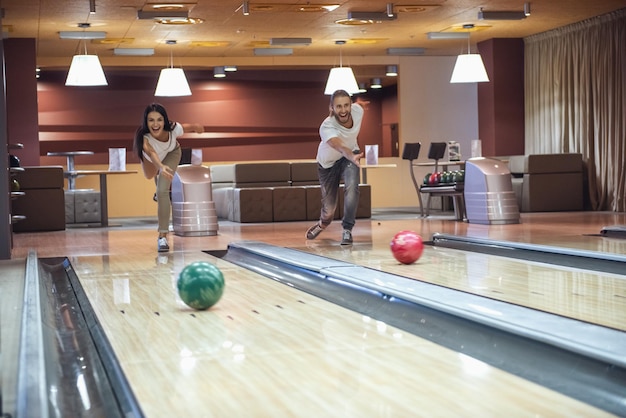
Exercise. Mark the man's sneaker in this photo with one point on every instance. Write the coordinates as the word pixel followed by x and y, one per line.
pixel 314 231
pixel 346 237
pixel 162 245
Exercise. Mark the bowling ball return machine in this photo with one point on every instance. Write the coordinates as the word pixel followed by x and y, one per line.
pixel 489 195
pixel 193 208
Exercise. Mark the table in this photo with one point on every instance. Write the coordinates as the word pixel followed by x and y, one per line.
pixel 364 168
pixel 104 210
pixel 71 180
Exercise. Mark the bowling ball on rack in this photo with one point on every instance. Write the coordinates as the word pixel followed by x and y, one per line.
pixel 200 285
pixel 14 161
pixel 15 185
pixel 407 247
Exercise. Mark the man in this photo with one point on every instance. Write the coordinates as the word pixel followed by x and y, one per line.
pixel 338 158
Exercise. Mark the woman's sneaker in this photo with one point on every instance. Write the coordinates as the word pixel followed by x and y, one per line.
pixel 314 231
pixel 162 245
pixel 346 237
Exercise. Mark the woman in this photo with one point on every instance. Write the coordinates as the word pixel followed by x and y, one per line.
pixel 159 153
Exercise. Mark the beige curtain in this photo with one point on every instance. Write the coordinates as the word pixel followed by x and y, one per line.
pixel 575 92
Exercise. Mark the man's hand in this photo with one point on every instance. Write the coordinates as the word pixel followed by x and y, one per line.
pixel 356 158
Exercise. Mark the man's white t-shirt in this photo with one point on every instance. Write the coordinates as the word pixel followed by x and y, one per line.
pixel 327 156
pixel 163 148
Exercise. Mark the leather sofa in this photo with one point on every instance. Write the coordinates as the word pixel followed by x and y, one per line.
pixel 548 182
pixel 43 202
pixel 273 192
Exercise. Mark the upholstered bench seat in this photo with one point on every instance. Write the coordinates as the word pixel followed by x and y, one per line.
pixel 274 192
pixel 82 206
pixel 548 182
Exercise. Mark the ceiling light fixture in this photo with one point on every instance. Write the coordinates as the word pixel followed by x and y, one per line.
pixel 172 81
pixel 162 14
pixel 291 41
pixel 405 51
pixel 341 78
pixel 376 83
pixel 230 68
pixel 85 70
pixel 81 34
pixel 505 15
pixel 139 52
pixel 219 72
pixel 362 88
pixel 273 51
pixel 373 16
pixel 92 7
pixel 179 20
pixel 389 9
pixel 246 8
pixel 392 71
pixel 469 68
pixel 447 35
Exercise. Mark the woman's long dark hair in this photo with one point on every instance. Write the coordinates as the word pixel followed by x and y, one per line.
pixel 143 129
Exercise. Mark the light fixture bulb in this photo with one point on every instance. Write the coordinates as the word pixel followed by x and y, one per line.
pixel 85 70
pixel 218 72
pixel 389 9
pixel 172 82
pixel 341 78
pixel 392 71
pixel 469 68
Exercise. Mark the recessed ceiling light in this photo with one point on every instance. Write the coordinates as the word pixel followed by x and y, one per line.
pixel 143 52
pixel 273 51
pixel 354 22
pixel 179 20
pixel 448 35
pixel 82 35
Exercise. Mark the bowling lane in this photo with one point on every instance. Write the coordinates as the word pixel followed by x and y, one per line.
pixel 599 298
pixel 269 350
pixel 11 300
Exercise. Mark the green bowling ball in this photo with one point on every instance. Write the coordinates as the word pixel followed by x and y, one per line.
pixel 200 285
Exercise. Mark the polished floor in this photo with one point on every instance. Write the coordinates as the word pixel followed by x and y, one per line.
pixel 268 350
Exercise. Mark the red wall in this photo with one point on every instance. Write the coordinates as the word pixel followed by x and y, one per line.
pixel 257 115
pixel 21 98
pixel 501 101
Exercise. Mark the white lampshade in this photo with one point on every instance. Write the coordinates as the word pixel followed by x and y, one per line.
pixel 85 70
pixel 172 82
pixel 341 78
pixel 469 68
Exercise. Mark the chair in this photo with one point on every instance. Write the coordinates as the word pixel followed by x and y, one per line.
pixel 436 152
pixel 410 152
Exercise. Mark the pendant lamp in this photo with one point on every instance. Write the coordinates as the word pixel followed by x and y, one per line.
pixel 172 81
pixel 469 68
pixel 85 70
pixel 341 78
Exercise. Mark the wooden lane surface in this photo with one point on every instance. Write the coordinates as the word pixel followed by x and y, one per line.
pixel 11 300
pixel 584 295
pixel 269 350
pixel 595 297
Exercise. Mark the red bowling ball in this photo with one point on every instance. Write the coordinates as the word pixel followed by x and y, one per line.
pixel 407 247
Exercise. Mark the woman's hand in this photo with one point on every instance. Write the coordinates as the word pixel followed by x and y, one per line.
pixel 167 172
